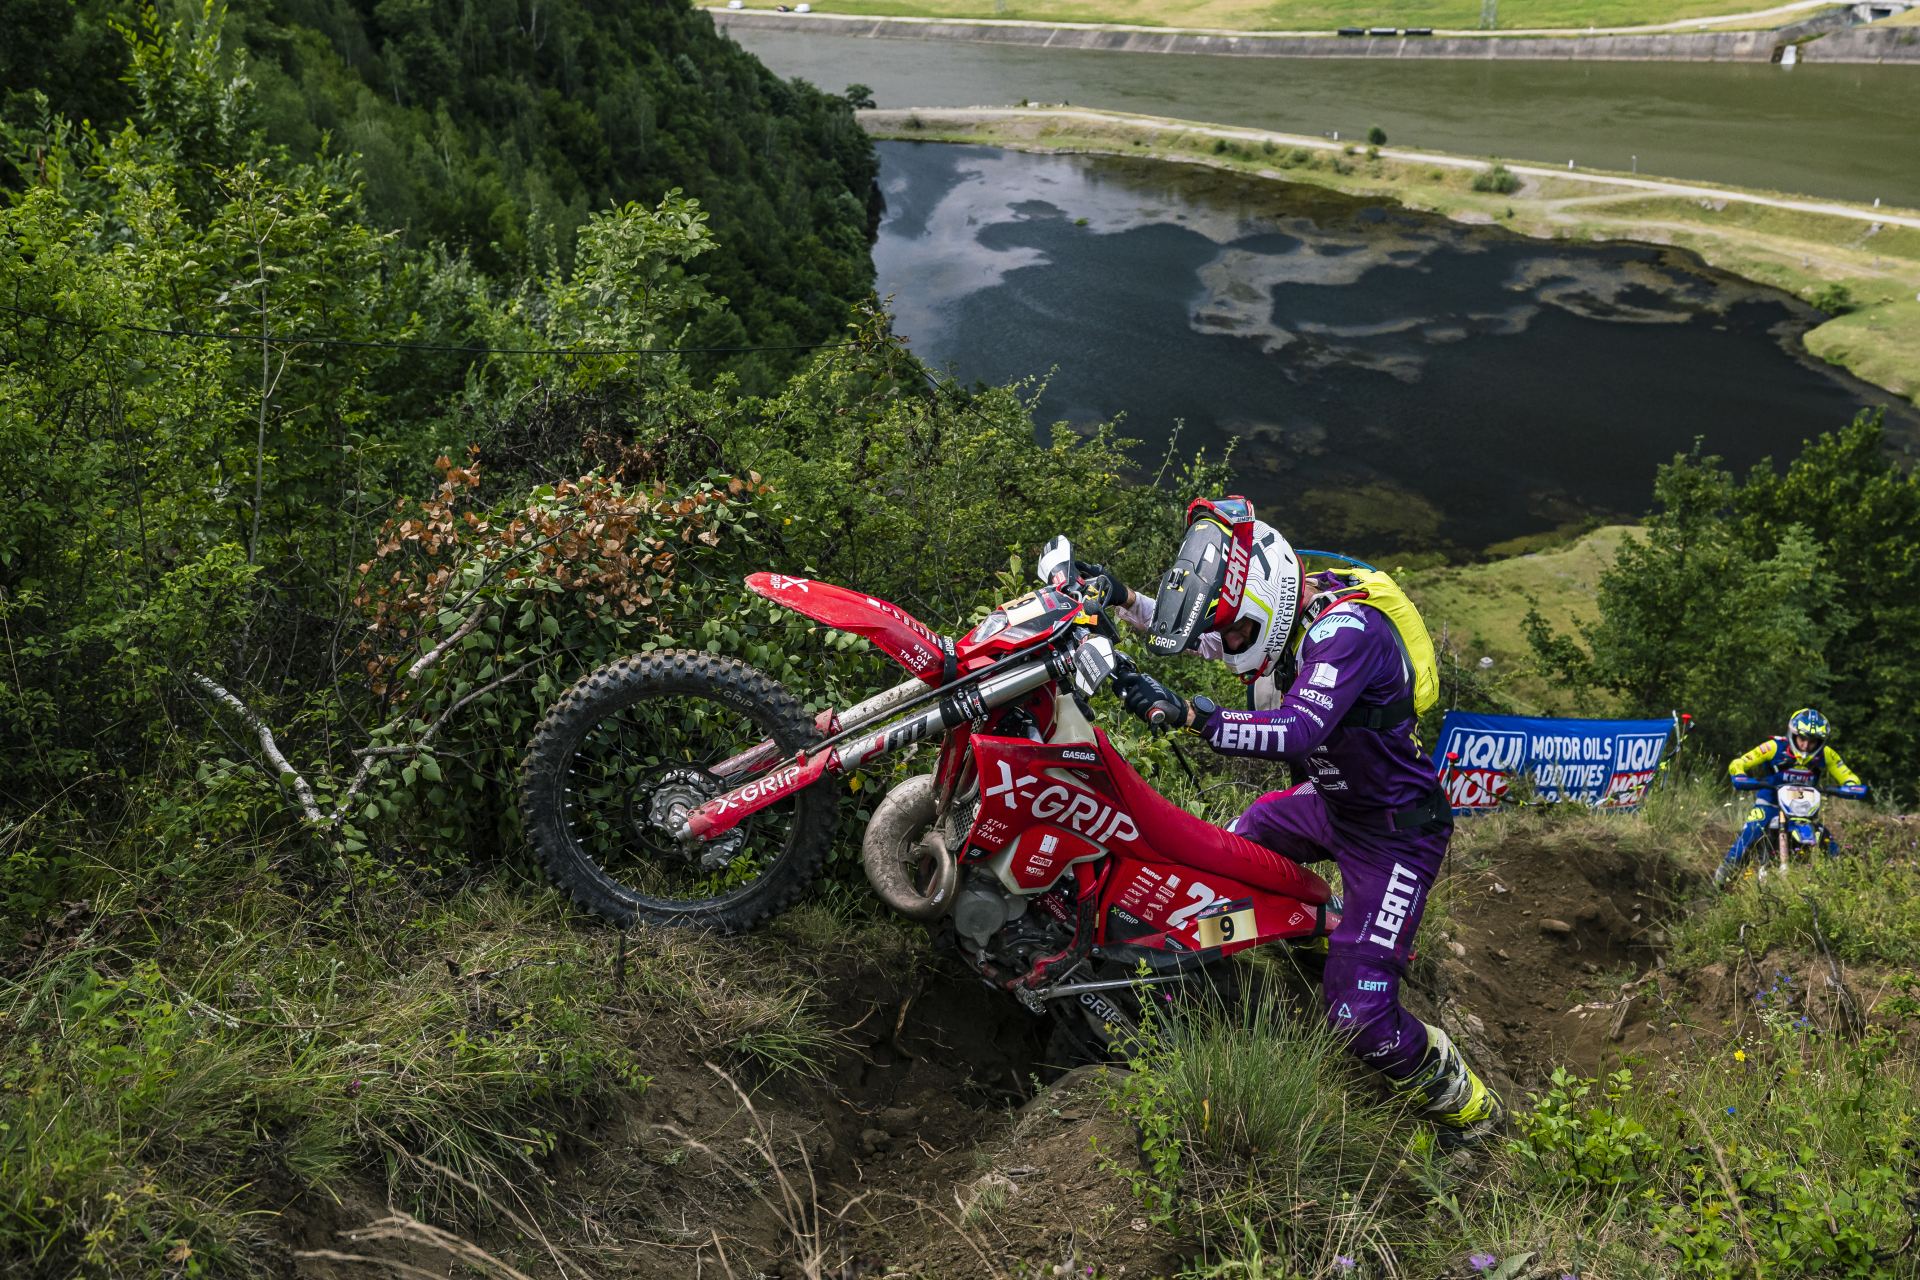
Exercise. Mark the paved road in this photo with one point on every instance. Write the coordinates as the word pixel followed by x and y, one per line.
pixel 969 115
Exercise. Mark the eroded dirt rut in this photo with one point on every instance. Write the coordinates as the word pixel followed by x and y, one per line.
pixel 1551 948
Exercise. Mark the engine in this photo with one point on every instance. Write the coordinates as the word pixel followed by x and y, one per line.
pixel 1005 931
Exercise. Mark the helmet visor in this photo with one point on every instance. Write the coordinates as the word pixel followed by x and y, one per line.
pixel 1228 511
pixel 1184 602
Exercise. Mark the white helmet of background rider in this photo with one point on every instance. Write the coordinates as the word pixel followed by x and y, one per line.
pixel 1234 575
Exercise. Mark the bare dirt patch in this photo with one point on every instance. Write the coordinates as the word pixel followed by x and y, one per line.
pixel 1551 953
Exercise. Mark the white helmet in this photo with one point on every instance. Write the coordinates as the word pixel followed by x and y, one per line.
pixel 1230 567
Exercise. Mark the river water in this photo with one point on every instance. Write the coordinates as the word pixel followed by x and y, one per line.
pixel 1390 379
pixel 1844 132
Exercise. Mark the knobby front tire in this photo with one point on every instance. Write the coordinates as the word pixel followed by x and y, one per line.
pixel 551 799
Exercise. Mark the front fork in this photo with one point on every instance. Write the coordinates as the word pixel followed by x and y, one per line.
pixel 760 757
pixel 966 701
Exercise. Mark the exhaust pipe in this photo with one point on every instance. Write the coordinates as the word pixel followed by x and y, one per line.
pixel 905 854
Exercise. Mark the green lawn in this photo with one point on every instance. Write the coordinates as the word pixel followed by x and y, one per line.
pixel 1303 15
pixel 1479 608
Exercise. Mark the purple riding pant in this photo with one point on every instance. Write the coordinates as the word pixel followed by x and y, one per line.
pixel 1385 877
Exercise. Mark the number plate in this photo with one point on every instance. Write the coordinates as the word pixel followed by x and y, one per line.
pixel 1226 922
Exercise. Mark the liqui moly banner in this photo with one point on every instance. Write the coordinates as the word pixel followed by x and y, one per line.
pixel 1605 763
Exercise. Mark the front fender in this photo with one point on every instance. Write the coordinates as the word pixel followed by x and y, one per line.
pixel 907 640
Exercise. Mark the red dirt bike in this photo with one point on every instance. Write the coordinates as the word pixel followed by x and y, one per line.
pixel 684 788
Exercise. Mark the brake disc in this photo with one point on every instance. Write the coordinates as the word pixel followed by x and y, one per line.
pixel 678 792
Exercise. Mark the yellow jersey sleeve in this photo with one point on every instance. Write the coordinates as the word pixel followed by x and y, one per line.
pixel 1837 770
pixel 1753 759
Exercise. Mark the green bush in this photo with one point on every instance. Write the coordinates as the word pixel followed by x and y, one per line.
pixel 1497 179
pixel 1835 298
pixel 1588 1145
pixel 1376 136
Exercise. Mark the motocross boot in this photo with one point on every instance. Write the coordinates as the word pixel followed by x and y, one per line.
pixel 1727 870
pixel 1465 1112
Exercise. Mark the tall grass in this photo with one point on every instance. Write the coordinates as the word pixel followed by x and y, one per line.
pixel 1865 902
pixel 1257 1132
pixel 157 1076
pixel 139 1093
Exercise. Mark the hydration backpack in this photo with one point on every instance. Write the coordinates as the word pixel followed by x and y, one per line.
pixel 1381 593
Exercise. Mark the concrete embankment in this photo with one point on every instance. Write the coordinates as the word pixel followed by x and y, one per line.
pixel 1866 44
pixel 1716 46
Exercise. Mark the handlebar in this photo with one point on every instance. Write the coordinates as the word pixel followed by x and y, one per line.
pixel 1846 791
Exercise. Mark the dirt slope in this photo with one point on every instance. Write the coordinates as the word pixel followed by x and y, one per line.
pixel 920 1144
pixel 1549 939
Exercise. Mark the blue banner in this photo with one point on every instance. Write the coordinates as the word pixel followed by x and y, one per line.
pixel 1605 763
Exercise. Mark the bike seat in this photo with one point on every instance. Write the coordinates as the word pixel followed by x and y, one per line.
pixel 1179 836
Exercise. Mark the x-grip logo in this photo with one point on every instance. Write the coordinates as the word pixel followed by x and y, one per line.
pixel 1009 788
pixel 1079 810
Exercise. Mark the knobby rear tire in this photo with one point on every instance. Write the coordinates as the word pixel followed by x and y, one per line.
pixel 621 684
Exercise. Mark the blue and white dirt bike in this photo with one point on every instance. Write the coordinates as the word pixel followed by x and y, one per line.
pixel 1795 833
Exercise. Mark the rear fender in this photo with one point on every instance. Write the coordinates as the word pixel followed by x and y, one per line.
pixel 907 640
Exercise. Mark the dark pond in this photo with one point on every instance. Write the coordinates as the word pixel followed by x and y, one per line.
pixel 1392 379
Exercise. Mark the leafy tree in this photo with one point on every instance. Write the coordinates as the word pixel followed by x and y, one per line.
pixel 499 131
pixel 1863 509
pixel 1695 618
pixel 1744 600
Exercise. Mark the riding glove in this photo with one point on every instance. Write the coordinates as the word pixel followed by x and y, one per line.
pixel 1143 695
pixel 1103 589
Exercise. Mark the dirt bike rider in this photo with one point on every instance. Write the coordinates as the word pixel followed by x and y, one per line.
pixel 1374 806
pixel 1802 757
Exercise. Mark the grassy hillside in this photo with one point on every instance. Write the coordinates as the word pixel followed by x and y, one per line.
pixel 1305 15
pixel 260 1082
pixel 1476 611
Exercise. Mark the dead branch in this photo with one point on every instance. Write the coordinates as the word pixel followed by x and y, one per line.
pixel 302 790
pixel 369 754
pixel 439 651
pixel 421 744
pixel 286 774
